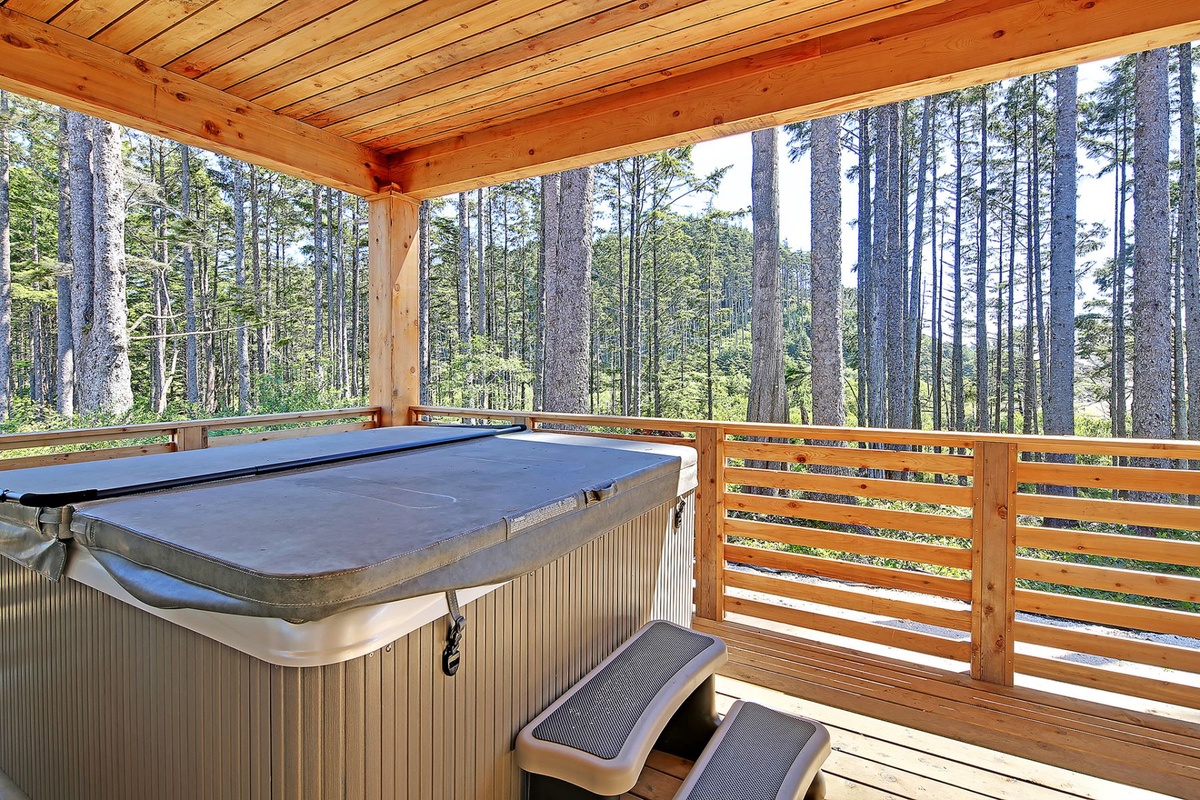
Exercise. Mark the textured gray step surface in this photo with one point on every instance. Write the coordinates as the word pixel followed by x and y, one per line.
pixel 758 753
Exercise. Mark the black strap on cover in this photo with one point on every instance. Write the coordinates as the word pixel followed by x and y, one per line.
pixel 451 656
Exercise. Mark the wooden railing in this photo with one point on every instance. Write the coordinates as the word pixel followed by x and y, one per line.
pixel 1069 559
pixel 42 448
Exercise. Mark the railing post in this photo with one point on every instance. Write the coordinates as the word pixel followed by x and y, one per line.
pixel 191 437
pixel 994 552
pixel 710 527
pixel 393 313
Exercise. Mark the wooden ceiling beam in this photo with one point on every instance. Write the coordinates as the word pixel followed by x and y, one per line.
pixel 949 46
pixel 48 64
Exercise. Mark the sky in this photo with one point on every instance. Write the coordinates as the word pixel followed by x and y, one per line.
pixel 1095 194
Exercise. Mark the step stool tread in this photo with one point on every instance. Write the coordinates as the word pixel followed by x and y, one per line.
pixel 758 753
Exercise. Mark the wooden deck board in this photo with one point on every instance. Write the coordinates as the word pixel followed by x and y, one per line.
pixel 877 760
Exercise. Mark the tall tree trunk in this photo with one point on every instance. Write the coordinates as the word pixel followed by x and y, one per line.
pixel 550 224
pixel 6 375
pixel 568 298
pixel 464 271
pixel 108 386
pixel 192 358
pixel 423 280
pixel 239 267
pixel 828 392
pixel 1060 411
pixel 262 300
pixel 768 392
pixel 1151 406
pixel 889 273
pixel 862 293
pixel 481 298
pixel 318 228
pixel 1189 250
pixel 159 377
pixel 1120 273
pixel 65 373
pixel 914 315
pixel 79 130
pixel 983 395
pixel 957 348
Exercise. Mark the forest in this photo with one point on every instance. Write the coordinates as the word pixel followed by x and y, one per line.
pixel 141 279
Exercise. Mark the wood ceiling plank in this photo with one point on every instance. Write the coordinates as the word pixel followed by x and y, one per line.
pixel 950 46
pixel 205 25
pixel 467 60
pixel 42 10
pixel 43 62
pixel 272 24
pixel 426 29
pixel 88 17
pixel 145 22
pixel 680 51
pixel 338 23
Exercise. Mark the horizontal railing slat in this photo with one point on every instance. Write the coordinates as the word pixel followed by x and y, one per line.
pixel 879 489
pixel 1119 512
pixel 1141 548
pixel 878 546
pixel 855 457
pixel 958 650
pixel 1111 579
pixel 288 433
pixel 79 456
pixel 886 577
pixel 1119 648
pixel 1170 481
pixel 958 619
pixel 1106 612
pixel 886 519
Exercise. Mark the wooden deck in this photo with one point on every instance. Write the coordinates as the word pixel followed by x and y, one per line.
pixel 876 760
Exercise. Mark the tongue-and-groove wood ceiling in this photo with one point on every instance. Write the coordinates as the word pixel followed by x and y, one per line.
pixel 434 96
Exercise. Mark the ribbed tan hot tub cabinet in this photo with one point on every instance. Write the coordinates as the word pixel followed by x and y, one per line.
pixel 101 701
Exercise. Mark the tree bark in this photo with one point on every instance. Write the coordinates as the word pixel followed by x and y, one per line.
pixel 828 392
pixel 1151 402
pixel 549 263
pixel 108 386
pixel 65 374
pixel 239 266
pixel 192 357
pixel 768 392
pixel 983 395
pixel 568 298
pixel 1060 410
pixel 5 263
pixel 464 271
pixel 1189 250
pixel 79 129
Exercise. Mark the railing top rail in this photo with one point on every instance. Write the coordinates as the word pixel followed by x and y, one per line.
pixel 1054 444
pixel 14 441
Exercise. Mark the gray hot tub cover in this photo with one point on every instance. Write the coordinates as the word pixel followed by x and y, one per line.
pixel 310 542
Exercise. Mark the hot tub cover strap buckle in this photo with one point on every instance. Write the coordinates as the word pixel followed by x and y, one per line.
pixel 451 657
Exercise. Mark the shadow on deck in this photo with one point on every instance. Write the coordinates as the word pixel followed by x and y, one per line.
pixel 877 760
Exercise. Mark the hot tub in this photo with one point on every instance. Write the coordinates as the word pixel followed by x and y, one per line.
pixel 269 620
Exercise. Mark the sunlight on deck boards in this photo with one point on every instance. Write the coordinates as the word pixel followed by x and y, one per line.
pixel 876 760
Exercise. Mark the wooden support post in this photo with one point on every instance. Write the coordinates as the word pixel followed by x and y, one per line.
pixel 394 313
pixel 994 552
pixel 191 437
pixel 710 527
